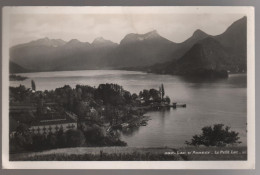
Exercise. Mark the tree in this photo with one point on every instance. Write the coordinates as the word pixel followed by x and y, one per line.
pixel 128 97
pixel 79 92
pixel 167 99
pixel 22 129
pixel 23 137
pixel 145 94
pixel 39 142
pixel 134 96
pixel 215 136
pixel 81 109
pixel 155 94
pixel 110 94
pixel 33 85
pixel 19 93
pixel 162 89
pixel 61 139
pixel 94 134
pixel 52 140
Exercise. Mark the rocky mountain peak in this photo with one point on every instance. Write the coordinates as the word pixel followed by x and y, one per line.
pixel 152 34
pixel 100 41
pixel 134 37
pixel 47 42
pixel 73 41
pixel 199 34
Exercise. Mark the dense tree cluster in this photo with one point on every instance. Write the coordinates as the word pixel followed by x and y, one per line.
pixel 24 140
pixel 105 94
pixel 112 94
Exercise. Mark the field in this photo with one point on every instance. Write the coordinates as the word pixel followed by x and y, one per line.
pixel 134 154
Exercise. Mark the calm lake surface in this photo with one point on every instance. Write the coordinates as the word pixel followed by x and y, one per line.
pixel 208 102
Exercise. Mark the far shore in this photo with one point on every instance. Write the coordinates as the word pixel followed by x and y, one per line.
pixel 14 77
pixel 115 69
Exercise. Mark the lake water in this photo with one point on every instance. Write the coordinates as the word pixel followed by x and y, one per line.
pixel 208 102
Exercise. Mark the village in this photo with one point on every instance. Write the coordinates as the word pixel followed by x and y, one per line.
pixel 84 116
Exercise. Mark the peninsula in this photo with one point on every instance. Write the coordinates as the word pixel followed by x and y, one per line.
pixel 80 116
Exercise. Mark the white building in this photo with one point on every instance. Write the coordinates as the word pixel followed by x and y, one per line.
pixel 53 125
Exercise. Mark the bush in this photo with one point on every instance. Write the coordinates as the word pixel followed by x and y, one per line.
pixel 75 138
pixel 61 139
pixel 39 142
pixel 94 135
pixel 215 136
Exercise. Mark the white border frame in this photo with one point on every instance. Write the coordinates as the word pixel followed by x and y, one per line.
pixel 249 164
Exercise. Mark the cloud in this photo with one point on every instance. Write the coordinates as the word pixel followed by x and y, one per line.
pixel 87 27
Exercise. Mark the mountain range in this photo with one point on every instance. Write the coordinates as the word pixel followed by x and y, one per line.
pixel 227 51
pixel 149 52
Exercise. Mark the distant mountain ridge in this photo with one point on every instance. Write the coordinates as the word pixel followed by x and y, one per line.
pixel 43 42
pixel 150 51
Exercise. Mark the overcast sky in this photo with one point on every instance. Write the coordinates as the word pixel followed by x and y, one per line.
pixel 87 27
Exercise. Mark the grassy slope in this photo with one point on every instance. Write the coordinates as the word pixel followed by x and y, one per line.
pixel 131 153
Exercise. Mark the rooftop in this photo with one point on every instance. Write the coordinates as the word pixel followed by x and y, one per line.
pixel 55 121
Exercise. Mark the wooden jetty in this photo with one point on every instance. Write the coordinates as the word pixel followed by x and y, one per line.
pixel 176 105
pixel 161 106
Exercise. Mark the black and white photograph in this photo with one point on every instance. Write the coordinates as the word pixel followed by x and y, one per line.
pixel 128 87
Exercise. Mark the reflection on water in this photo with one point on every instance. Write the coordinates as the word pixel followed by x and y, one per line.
pixel 208 102
pixel 131 131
